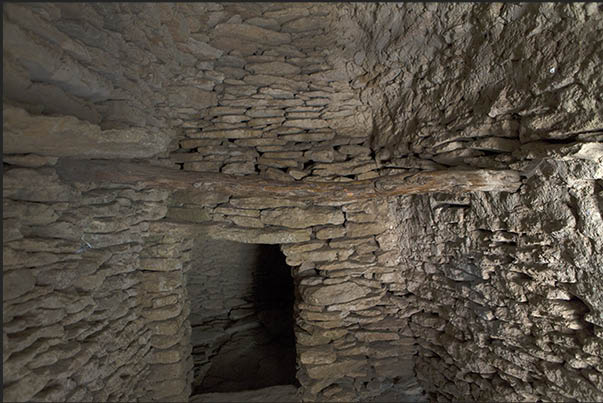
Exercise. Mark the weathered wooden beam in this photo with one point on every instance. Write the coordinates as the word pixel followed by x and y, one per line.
pixel 454 181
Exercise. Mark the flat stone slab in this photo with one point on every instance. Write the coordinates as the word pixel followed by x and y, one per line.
pixel 259 235
pixel 302 218
pixel 334 294
pixel 67 136
pixel 280 393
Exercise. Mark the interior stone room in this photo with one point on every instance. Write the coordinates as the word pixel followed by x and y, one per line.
pixel 315 202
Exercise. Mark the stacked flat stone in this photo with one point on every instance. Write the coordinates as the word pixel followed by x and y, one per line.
pixel 75 327
pixel 497 281
pixel 352 334
pixel 282 109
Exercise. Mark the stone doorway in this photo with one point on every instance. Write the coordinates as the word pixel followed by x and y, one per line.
pixel 241 316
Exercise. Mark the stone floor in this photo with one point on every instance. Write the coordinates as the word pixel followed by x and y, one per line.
pixel 280 393
pixel 402 392
pixel 252 360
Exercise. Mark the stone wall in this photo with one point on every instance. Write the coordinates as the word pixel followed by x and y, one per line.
pixel 508 288
pixel 353 338
pixel 486 296
pixel 468 84
pixel 280 102
pixel 79 268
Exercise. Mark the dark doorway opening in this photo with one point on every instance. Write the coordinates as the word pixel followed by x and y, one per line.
pixel 257 347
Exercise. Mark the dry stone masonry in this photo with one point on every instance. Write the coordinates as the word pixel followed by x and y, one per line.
pixel 431 173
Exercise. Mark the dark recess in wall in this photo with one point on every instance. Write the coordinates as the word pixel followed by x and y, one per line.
pixel 260 356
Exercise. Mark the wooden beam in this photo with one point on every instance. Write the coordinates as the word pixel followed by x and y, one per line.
pixel 453 181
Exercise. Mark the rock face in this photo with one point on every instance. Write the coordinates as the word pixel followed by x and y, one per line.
pixel 68 137
pixel 489 295
pixel 486 269
pixel 466 98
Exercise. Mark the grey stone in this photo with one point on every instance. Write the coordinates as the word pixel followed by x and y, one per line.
pixel 163 264
pixel 203 50
pixel 262 122
pixel 283 155
pixel 232 134
pixel 43 185
pixel 307 123
pixel 336 370
pixel 273 68
pixel 287 14
pixel 310 136
pixel 11 230
pixel 68 136
pixel 239 168
pixel 187 96
pixel 331 232
pixel 257 235
pixel 376 336
pixel 264 113
pixel 267 23
pixel 203 166
pixel 188 214
pixel 206 199
pixel 263 80
pixel 30 160
pixel 318 355
pixel 305 24
pixel 264 203
pixel 355 230
pixel 301 218
pixel 163 313
pixel 278 163
pixel 334 294
pixel 252 33
pixel 251 222
pixel 281 393
pixel 16 283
